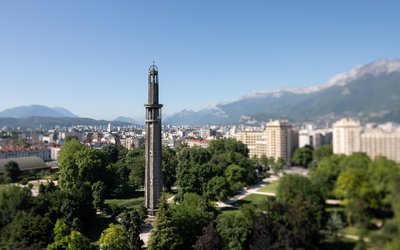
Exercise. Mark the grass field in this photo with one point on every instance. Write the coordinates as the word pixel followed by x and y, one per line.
pixel 269 188
pixel 253 199
pixel 126 200
pixel 123 202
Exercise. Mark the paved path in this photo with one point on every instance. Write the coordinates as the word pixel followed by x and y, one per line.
pixel 247 191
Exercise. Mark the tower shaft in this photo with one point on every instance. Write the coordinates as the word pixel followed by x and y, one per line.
pixel 153 170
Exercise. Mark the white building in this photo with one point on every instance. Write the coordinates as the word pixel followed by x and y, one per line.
pixel 274 141
pixel 346 136
pixel 350 137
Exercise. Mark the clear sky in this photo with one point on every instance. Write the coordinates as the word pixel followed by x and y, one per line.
pixel 92 57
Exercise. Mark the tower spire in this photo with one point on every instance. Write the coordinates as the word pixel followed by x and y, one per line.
pixel 153 171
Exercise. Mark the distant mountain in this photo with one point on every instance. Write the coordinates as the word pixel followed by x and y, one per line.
pixel 64 112
pixel 125 119
pixel 51 122
pixel 369 93
pixel 36 110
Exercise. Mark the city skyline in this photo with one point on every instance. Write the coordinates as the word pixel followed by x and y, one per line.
pixel 90 57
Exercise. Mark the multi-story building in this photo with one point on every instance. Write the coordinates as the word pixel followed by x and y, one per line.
pixel 381 142
pixel 346 136
pixel 250 138
pixel 314 138
pixel 274 141
pixel 350 137
pixel 278 136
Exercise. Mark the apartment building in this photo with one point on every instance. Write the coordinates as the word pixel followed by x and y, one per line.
pixel 274 141
pixel 350 137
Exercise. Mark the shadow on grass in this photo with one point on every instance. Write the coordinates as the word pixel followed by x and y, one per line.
pixel 95 229
pixel 128 195
pixel 224 209
pixel 240 203
pixel 336 245
pixel 230 210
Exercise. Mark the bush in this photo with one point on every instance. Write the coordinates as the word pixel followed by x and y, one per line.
pixel 24 181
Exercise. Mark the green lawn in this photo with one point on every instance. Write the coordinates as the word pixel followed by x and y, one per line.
pixel 230 210
pixel 126 200
pixel 252 199
pixel 269 188
pixel 123 202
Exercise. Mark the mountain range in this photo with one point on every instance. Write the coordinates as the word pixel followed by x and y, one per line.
pixel 36 110
pixel 39 115
pixel 370 93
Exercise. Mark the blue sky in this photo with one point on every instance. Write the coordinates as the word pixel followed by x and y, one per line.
pixel 92 56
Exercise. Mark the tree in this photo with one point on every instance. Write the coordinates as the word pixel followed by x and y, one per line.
pixel 178 226
pixel 334 225
pixel 222 146
pixel 354 187
pixel 12 200
pixel 278 165
pixel 218 189
pixel 26 230
pixel 303 156
pixel 189 217
pixel 131 223
pixel 136 163
pixel 98 192
pixel 163 235
pixel 66 238
pixel 92 166
pixel 324 176
pixel 233 230
pixel 210 239
pixel 169 165
pixel 113 238
pixel 77 202
pixel 308 205
pixel 322 152
pixel 235 176
pixel 114 153
pixel 11 172
pixel 293 187
pixel 78 241
pixel 284 226
pixel 380 174
pixel 67 158
pixel 265 162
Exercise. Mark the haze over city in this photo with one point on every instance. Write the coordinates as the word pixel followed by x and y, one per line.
pixel 92 57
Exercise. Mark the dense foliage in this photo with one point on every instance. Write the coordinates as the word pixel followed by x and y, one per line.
pixel 199 169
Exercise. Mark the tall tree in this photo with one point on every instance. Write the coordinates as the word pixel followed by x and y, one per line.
pixel 12 200
pixel 303 156
pixel 164 233
pixel 233 230
pixel 98 192
pixel 113 238
pixel 209 240
pixel 11 172
pixel 26 230
pixel 67 159
pixel 169 165
pixel 131 222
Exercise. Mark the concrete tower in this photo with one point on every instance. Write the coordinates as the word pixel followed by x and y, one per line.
pixel 153 177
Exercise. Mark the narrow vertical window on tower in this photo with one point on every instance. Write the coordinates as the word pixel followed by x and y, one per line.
pixel 153 168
